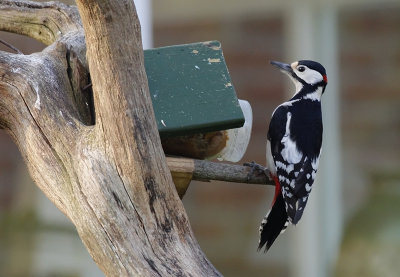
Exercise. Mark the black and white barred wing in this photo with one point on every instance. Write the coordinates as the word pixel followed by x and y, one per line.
pixel 296 181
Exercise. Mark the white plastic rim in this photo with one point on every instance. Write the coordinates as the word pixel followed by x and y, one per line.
pixel 238 139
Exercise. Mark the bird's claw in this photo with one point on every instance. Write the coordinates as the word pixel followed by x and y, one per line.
pixel 256 169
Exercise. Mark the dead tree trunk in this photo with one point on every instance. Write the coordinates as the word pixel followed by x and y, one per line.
pixel 98 159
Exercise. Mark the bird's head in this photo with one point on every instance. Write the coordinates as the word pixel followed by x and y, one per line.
pixel 304 72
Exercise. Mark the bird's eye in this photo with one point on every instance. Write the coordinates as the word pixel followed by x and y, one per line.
pixel 301 68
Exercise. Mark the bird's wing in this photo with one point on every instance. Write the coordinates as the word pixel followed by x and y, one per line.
pixel 296 181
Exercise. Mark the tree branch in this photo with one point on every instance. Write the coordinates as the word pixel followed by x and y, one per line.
pixel 203 170
pixel 45 22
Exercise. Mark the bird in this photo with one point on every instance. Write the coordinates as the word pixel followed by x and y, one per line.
pixel 293 149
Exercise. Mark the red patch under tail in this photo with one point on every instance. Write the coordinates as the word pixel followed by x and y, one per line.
pixel 277 188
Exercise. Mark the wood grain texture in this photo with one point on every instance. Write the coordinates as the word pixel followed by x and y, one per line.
pixel 203 170
pixel 105 169
pixel 182 173
pixel 206 170
pixel 45 22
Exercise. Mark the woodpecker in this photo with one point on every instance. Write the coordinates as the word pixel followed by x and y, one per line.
pixel 294 143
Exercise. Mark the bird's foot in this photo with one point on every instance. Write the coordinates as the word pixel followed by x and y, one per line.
pixel 256 169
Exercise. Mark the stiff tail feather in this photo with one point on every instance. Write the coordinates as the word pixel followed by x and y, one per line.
pixel 275 222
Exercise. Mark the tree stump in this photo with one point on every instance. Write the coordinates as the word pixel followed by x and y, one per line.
pixel 95 152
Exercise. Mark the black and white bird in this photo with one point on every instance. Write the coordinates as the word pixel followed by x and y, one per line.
pixel 293 147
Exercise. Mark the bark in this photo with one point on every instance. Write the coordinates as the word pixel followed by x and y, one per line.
pixel 98 158
pixel 203 170
pixel 184 170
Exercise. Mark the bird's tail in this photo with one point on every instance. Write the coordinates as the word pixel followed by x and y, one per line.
pixel 275 222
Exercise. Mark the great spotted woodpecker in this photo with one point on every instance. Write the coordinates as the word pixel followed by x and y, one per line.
pixel 293 147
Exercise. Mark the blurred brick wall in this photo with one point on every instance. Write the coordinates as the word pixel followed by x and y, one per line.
pixel 370 90
pixel 370 71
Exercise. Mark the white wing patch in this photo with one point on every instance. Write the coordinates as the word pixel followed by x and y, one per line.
pixel 289 103
pixel 313 174
pixel 288 168
pixel 290 153
pixel 283 179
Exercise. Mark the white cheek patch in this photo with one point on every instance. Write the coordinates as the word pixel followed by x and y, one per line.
pixel 310 76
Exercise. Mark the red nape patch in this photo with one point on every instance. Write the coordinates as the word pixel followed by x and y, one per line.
pixel 277 188
pixel 325 79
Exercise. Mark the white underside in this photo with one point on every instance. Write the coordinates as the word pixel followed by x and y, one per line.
pixel 270 159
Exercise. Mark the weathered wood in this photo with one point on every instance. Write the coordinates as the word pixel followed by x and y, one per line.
pixel 206 170
pixel 182 173
pixel 203 170
pixel 45 22
pixel 107 173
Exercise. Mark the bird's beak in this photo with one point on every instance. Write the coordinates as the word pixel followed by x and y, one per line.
pixel 284 67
